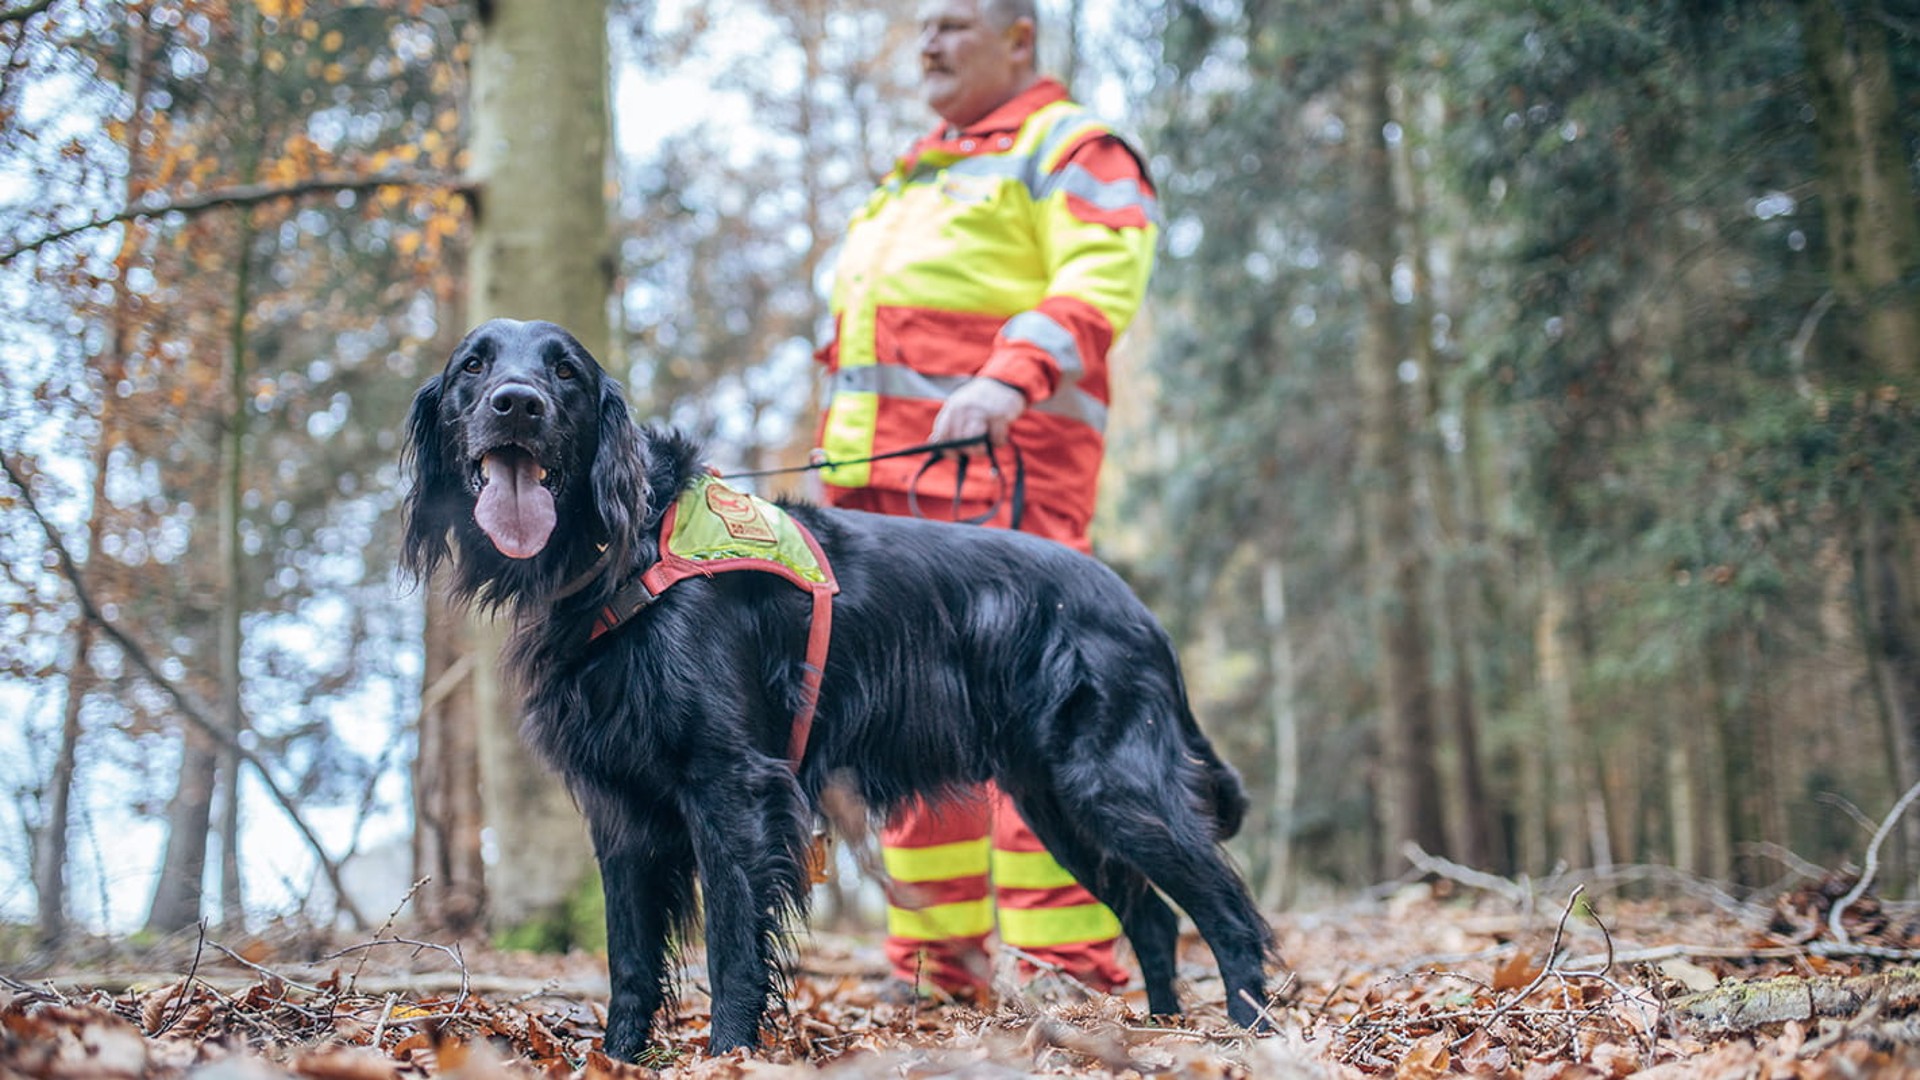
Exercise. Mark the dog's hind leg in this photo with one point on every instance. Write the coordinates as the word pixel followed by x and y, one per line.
pixel 646 872
pixel 1150 925
pixel 1161 833
pixel 1208 889
pixel 1130 786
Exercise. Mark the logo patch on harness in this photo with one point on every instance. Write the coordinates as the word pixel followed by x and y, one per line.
pixel 740 514
pixel 715 528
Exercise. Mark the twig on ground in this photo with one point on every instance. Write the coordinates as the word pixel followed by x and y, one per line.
pixel 1873 866
pixel 1453 871
pixel 1786 857
pixel 380 1026
pixel 268 972
pixel 1606 936
pixel 1845 805
pixel 1264 1010
pixel 185 995
pixel 384 927
pixel 452 951
pixel 1553 950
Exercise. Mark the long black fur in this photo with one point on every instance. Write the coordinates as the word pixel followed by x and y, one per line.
pixel 959 655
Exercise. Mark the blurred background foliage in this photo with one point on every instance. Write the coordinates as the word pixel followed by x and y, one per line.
pixel 1519 439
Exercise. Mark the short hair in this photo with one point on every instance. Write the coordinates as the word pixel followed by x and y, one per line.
pixel 1004 13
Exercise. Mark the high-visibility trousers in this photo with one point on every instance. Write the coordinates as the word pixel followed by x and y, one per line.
pixel 957 864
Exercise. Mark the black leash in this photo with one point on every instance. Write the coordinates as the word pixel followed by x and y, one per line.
pixel 933 450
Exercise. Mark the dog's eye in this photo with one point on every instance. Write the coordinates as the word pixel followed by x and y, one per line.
pixel 565 369
pixel 472 366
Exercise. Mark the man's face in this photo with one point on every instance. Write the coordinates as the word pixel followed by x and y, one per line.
pixel 968 67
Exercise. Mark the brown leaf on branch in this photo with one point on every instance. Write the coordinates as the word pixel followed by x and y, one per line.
pixel 1516 972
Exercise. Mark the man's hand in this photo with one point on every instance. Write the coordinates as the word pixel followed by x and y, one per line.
pixel 981 406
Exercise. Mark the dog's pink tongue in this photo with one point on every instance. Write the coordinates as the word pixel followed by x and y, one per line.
pixel 514 510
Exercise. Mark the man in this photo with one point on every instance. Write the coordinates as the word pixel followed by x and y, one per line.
pixel 977 294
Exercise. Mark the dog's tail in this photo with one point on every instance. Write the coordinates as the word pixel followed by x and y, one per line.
pixel 1229 794
pixel 1224 790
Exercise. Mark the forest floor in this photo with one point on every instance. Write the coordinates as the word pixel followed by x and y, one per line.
pixel 1430 980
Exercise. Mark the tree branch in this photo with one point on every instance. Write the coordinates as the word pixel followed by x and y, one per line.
pixel 242 195
pixel 22 14
pixel 1873 866
pixel 190 708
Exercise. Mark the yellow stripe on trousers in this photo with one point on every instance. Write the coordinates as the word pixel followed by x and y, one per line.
pixel 1029 870
pixel 936 862
pixel 1041 928
pixel 940 922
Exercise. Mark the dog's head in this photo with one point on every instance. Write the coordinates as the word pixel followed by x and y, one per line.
pixel 522 448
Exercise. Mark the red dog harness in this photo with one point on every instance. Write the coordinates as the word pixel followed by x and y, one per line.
pixel 712 529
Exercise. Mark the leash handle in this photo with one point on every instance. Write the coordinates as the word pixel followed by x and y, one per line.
pixel 933 450
pixel 1018 494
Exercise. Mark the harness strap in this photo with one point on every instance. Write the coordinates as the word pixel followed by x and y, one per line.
pixel 639 593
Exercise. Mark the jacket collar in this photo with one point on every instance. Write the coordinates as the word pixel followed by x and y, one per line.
pixel 1008 117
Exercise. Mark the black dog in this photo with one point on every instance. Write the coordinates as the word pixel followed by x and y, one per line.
pixel 958 655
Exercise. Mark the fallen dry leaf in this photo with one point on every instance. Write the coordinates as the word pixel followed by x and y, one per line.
pixel 1428 1059
pixel 1517 972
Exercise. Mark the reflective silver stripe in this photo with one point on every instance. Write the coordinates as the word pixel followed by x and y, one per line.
pixel 892 380
pixel 1039 328
pixel 1106 194
pixel 1074 180
pixel 999 166
pixel 1072 124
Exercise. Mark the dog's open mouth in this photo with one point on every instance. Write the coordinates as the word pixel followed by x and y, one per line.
pixel 515 507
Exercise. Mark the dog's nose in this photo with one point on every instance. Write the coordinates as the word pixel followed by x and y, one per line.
pixel 516 400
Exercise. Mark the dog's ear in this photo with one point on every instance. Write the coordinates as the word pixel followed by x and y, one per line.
pixel 435 485
pixel 619 473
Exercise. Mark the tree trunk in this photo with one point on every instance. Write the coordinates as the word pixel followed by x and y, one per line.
pixel 1867 199
pixel 447 812
pixel 1494 579
pixel 1280 881
pixel 541 250
pixel 1395 570
pixel 176 897
pixel 1438 464
pixel 1886 590
pixel 233 583
pixel 233 603
pixel 1682 794
pixel 1866 194
pixel 50 849
pixel 1577 813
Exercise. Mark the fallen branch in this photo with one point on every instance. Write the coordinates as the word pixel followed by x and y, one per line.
pixel 1821 949
pixel 1465 875
pixel 1525 894
pixel 1743 1006
pixel 1873 866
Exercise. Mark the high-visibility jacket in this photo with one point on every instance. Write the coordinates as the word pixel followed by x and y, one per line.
pixel 1018 249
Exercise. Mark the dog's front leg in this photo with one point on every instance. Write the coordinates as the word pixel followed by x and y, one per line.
pixel 646 872
pixel 749 838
